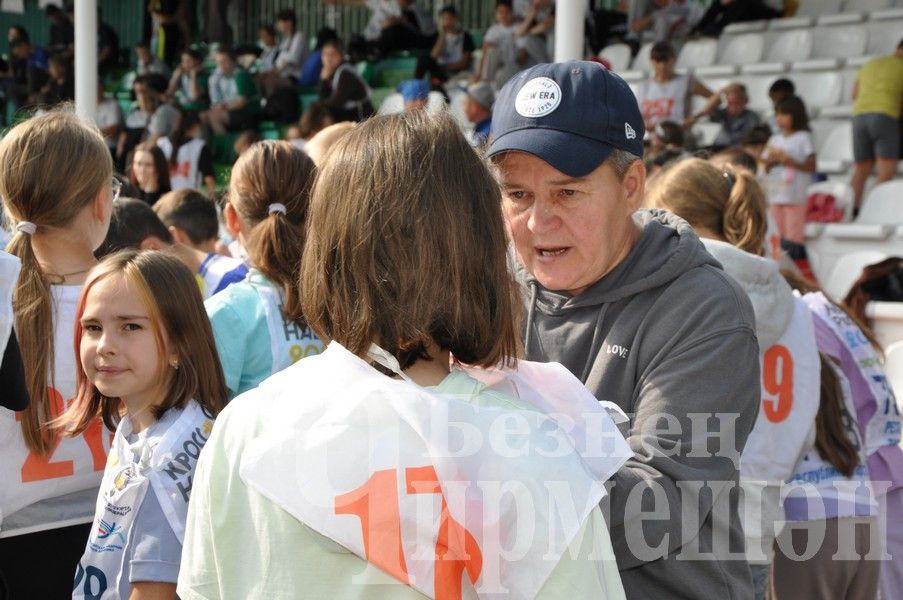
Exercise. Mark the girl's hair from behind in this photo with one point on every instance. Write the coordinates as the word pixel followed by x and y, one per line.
pixel 795 107
pixel 729 202
pixel 176 309
pixel 407 247
pixel 51 167
pixel 275 172
pixel 831 439
pixel 161 167
pixel 187 121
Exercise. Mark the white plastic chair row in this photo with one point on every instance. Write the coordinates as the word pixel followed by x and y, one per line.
pixel 828 243
pixel 825 12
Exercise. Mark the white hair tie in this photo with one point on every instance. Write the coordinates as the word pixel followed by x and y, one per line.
pixel 276 207
pixel 26 227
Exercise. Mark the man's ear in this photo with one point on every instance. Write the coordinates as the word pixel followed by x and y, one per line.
pixel 152 242
pixel 634 184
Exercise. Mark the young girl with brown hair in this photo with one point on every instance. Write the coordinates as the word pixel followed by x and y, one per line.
pixel 258 323
pixel 727 209
pixel 874 418
pixel 56 181
pixel 353 457
pixel 149 371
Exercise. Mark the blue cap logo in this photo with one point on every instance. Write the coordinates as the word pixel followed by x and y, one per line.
pixel 538 97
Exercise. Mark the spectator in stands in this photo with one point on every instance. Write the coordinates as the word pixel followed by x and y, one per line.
pixel 29 72
pixel 412 29
pixel 415 93
pixel 269 49
pixel 162 118
pixel 736 120
pixel 108 118
pixel 607 22
pixel 342 90
pixel 754 143
pixel 62 33
pixel 667 95
pixel 191 218
pixel 15 33
pixel 667 19
pixel 107 46
pixel 778 90
pixel 500 57
pixel 290 57
pixel 790 161
pixel 166 36
pixel 535 31
pixel 310 73
pixel 190 162
pixel 234 102
pixel 146 63
pixel 382 12
pixel 478 102
pixel 451 54
pixel 149 172
pixel 633 305
pixel 60 85
pixel 722 13
pixel 188 84
pixel 878 95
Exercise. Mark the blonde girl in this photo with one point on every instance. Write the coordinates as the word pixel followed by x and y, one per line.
pixel 727 209
pixel 259 324
pixel 149 371
pixel 405 271
pixel 56 181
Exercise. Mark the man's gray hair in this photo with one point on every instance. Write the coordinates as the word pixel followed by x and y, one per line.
pixel 620 161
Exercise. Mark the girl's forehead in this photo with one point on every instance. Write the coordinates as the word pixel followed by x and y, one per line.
pixel 116 293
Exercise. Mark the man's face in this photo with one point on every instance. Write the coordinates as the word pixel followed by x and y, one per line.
pixel 503 15
pixel 736 102
pixel 448 22
pixel 224 63
pixel 569 232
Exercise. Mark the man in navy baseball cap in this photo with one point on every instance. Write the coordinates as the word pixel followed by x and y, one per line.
pixel 630 301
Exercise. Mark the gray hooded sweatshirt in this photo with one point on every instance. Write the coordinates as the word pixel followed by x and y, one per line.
pixel 665 335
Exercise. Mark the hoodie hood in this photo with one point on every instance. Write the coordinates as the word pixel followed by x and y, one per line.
pixel 667 248
pixel 770 294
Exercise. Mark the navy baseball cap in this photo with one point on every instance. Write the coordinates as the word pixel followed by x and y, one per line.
pixel 570 114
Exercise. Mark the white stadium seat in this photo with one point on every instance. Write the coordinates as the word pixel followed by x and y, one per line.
pixel 618 55
pixel 865 5
pixel 887 322
pixel 817 8
pixel 883 36
pixel 741 49
pixel 883 205
pixel 705 133
pixel 841 19
pixel 787 46
pixel 641 61
pixel 697 53
pixel 886 14
pixel 821 128
pixel 745 27
pixel 836 152
pixel 847 270
pixel 819 89
pixel 893 366
pixel 839 42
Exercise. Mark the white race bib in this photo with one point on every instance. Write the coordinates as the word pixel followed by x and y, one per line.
pixel 420 483
pixel 288 341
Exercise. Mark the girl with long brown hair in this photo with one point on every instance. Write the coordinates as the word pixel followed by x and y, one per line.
pixel 148 369
pixel 727 208
pixel 405 272
pixel 258 323
pixel 56 181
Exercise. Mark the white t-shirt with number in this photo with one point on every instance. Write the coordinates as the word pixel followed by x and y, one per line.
pixel 45 492
pixel 665 101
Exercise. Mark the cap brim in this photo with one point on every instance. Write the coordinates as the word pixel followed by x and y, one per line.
pixel 573 155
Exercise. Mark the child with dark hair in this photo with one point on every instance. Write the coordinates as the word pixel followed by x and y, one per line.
pixel 790 161
pixel 191 218
pixel 451 54
pixel 188 84
pixel 190 162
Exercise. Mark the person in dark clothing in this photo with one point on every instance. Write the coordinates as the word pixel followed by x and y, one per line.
pixel 722 13
pixel 29 72
pixel 342 90
pixel 60 85
pixel 452 51
pixel 107 46
pixel 413 30
pixel 62 33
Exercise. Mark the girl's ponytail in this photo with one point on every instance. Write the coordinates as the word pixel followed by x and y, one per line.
pixel 270 188
pixel 745 220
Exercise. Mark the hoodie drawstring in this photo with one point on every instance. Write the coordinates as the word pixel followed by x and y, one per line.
pixel 596 343
pixel 531 311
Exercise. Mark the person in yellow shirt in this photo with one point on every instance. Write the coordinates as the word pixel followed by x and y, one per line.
pixel 878 97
